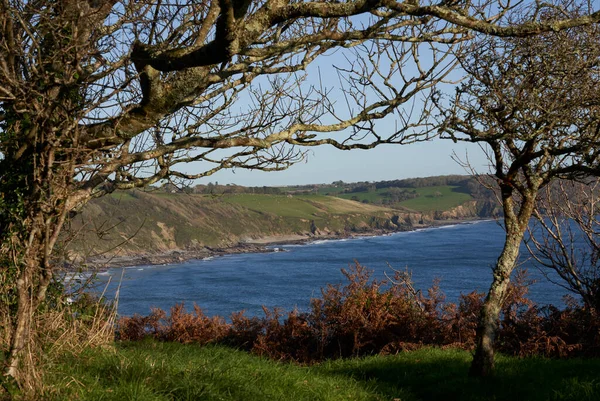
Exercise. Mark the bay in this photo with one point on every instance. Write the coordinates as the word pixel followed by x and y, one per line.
pixel 461 256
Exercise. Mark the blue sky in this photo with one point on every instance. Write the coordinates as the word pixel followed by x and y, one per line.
pixel 327 164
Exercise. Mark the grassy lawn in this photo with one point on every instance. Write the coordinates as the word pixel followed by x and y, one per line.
pixel 167 371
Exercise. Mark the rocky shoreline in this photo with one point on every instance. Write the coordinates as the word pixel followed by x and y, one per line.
pixel 259 245
pixel 104 262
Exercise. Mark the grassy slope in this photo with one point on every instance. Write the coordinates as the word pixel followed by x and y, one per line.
pixel 167 371
pixel 160 222
pixel 447 198
pixel 301 206
pixel 428 200
pixel 140 222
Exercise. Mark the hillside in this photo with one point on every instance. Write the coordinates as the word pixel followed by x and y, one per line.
pixel 431 196
pixel 165 221
pixel 137 222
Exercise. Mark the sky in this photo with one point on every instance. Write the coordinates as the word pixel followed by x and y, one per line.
pixel 326 164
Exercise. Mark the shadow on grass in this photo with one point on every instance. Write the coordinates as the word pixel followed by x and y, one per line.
pixel 433 374
pixel 150 370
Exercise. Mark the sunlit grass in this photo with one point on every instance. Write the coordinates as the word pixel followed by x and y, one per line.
pixel 436 198
pixel 442 197
pixel 279 205
pixel 167 371
pixel 308 207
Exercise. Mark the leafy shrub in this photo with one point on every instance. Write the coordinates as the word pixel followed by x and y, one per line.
pixel 368 316
pixel 178 326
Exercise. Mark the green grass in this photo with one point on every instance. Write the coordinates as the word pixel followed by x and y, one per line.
pixel 309 207
pixel 331 190
pixel 436 198
pixel 280 205
pixel 434 374
pixel 167 371
pixel 122 196
pixel 370 196
pixel 430 198
pixel 159 371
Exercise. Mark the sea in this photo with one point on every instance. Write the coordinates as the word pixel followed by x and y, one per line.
pixel 459 256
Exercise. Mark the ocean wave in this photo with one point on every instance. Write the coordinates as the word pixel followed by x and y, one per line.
pixel 325 241
pixel 138 267
pixel 479 221
pixel 279 249
pixel 447 226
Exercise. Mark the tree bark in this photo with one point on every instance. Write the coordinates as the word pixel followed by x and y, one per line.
pixel 29 229
pixel 20 328
pixel 516 224
pixel 483 361
pixel 34 278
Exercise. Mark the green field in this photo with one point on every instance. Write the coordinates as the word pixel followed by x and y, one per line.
pixel 299 206
pixel 166 371
pixel 443 197
pixel 121 196
pixel 372 197
pixel 147 222
pixel 331 190
pixel 436 198
pixel 280 205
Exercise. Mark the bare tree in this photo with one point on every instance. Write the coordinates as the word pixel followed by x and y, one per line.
pixel 534 106
pixel 104 95
pixel 565 238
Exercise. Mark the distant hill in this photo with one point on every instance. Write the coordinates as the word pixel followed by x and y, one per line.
pixel 136 222
pixel 428 194
pixel 140 222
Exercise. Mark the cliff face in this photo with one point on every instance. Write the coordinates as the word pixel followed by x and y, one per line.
pixel 469 210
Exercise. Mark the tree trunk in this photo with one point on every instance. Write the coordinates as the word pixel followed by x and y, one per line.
pixel 34 277
pixel 515 225
pixel 30 222
pixel 483 361
pixel 20 328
